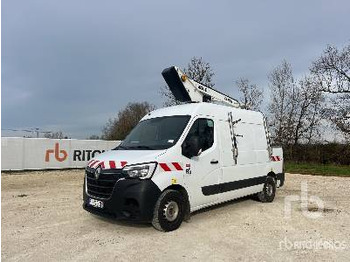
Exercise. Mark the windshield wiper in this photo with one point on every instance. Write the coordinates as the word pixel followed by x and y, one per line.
pixel 141 147
pixel 121 147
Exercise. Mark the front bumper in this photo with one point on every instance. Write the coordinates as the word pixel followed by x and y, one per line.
pixel 131 199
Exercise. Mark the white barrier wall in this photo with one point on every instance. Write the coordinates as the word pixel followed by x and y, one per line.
pixel 19 153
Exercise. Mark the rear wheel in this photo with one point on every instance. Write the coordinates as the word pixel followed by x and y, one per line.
pixel 269 190
pixel 169 211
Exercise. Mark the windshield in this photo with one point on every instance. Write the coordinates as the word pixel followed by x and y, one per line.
pixel 155 133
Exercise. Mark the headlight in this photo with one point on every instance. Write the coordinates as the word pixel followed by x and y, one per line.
pixel 142 171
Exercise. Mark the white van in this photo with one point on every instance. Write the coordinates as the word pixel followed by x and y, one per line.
pixel 180 159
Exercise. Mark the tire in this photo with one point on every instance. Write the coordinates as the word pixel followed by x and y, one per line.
pixel 269 190
pixel 169 211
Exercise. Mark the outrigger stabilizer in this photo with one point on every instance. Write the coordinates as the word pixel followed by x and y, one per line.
pixel 187 90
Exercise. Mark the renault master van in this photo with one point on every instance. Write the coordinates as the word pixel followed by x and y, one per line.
pixel 181 159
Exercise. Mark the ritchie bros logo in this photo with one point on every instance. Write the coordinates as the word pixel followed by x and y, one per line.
pixel 78 155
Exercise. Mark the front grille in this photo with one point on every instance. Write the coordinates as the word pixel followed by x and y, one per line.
pixel 103 186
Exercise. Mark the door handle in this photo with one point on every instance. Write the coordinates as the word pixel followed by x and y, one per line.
pixel 214 161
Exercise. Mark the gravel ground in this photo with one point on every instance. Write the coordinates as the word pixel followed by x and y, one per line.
pixel 43 220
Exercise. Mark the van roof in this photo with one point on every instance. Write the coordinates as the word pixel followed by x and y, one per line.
pixel 207 109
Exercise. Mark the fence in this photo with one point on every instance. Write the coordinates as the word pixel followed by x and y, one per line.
pixel 42 153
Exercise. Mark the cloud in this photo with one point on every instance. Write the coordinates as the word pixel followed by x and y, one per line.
pixel 74 64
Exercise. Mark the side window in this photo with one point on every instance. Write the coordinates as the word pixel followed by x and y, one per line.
pixel 203 129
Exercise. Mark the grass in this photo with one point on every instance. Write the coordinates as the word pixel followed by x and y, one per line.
pixel 317 169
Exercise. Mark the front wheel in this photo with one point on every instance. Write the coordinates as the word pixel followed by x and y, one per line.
pixel 269 190
pixel 169 211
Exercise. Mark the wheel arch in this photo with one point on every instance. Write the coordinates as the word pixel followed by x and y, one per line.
pixel 272 174
pixel 184 193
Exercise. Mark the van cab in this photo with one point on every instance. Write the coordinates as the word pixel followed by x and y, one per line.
pixel 181 159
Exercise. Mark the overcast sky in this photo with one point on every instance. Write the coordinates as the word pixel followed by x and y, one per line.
pixel 70 65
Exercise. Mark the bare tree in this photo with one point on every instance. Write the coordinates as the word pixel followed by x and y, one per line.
pixel 332 74
pixel 251 95
pixel 338 112
pixel 281 82
pixel 332 70
pixel 295 107
pixel 309 111
pixel 118 128
pixel 198 70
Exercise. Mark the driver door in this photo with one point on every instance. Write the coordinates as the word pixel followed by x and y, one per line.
pixel 203 171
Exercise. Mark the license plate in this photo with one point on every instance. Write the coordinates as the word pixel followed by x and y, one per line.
pixel 95 203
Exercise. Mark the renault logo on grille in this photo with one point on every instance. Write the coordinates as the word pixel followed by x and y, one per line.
pixel 97 172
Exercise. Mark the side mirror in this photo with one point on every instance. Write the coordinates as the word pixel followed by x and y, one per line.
pixel 191 147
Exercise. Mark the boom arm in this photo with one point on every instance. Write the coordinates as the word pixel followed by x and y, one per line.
pixel 187 90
